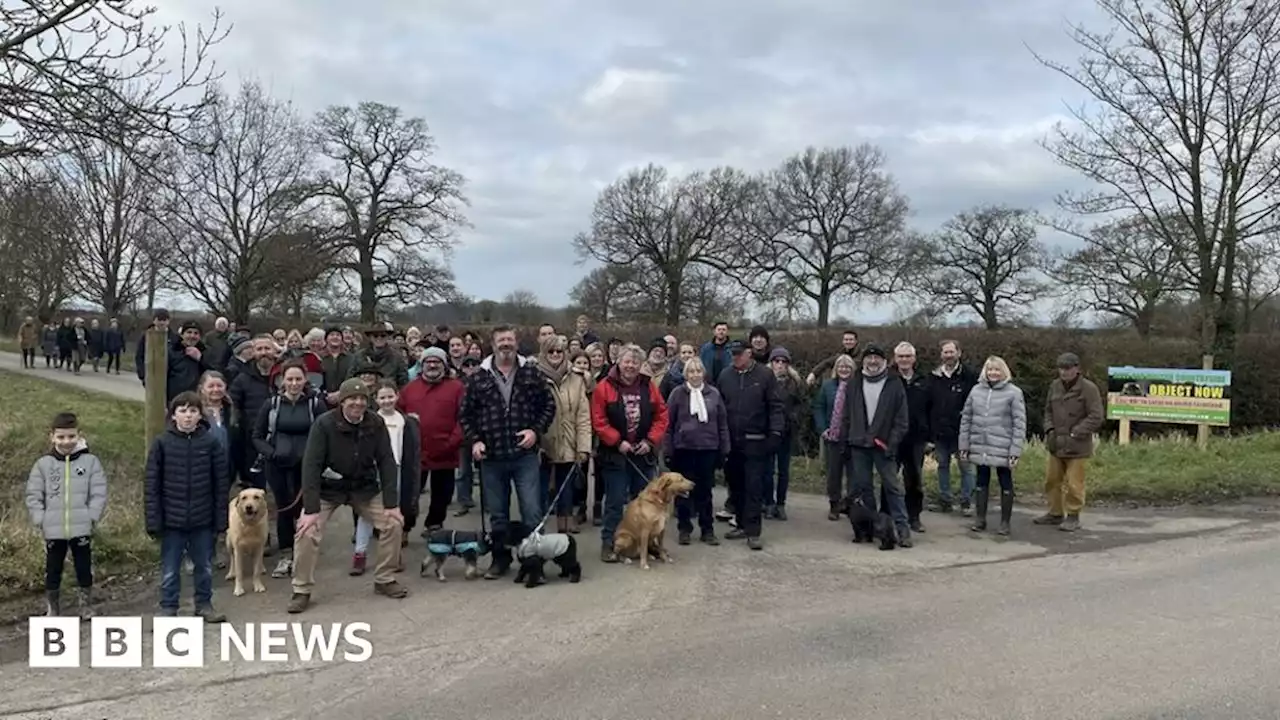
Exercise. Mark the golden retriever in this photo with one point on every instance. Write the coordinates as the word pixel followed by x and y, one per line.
pixel 247 538
pixel 644 521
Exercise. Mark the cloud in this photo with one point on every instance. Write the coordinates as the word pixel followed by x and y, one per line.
pixel 542 104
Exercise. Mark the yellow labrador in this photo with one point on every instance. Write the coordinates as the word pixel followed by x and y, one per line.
pixel 247 538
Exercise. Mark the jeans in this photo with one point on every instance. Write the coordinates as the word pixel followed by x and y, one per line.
pixel 945 449
pixel 624 477
pixel 466 479
pixel 863 465
pixel 699 466
pixel 745 471
pixel 496 479
pixel 113 360
pixel 285 483
pixel 56 557
pixel 28 357
pixel 1003 475
pixel 196 545
pixel 780 461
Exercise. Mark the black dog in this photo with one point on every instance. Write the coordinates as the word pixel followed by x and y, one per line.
pixel 533 550
pixel 868 525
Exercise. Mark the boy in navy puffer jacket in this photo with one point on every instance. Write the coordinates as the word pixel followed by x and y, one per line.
pixel 187 488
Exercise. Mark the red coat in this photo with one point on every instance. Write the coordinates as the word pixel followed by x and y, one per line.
pixel 437 406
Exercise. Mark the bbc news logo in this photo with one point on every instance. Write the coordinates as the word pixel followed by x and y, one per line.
pixel 179 642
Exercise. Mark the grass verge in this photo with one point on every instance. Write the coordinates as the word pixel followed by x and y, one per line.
pixel 1171 470
pixel 114 431
pixel 11 345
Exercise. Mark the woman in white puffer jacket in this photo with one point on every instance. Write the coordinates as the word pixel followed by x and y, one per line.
pixel 993 427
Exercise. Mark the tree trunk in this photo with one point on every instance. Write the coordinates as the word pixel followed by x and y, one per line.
pixel 674 299
pixel 824 304
pixel 1142 321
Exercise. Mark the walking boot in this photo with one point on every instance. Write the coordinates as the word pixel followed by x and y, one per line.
pixel 1006 512
pixel 52 603
pixel 1070 523
pixel 833 512
pixel 1048 519
pixel 904 537
pixel 84 602
pixel 501 555
pixel 980 518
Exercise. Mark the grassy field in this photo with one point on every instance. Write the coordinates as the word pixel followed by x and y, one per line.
pixel 1163 471
pixel 10 345
pixel 114 430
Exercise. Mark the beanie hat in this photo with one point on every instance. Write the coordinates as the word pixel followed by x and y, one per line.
pixel 237 344
pixel 758 331
pixel 190 325
pixel 437 353
pixel 780 353
pixel 352 387
pixel 658 343
pixel 368 368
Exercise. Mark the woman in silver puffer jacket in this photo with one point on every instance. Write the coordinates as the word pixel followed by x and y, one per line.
pixel 993 427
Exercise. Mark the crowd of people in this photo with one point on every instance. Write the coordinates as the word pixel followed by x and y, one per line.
pixel 70 345
pixel 374 419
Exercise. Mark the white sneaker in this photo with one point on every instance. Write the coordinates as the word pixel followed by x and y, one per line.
pixel 284 568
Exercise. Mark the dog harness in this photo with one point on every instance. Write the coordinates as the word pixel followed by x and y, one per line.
pixel 435 546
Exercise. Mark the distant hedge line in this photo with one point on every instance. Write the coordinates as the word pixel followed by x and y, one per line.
pixel 1031 355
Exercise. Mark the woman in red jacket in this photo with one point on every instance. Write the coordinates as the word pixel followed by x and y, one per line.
pixel 435 398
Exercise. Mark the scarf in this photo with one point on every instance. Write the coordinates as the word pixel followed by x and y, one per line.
pixel 555 373
pixel 697 403
pixel 832 433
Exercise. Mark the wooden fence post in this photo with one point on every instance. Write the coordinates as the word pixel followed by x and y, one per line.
pixel 1202 430
pixel 157 374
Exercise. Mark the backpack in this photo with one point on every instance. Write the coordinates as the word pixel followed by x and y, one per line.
pixel 312 401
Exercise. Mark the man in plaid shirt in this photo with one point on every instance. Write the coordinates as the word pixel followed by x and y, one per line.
pixel 506 410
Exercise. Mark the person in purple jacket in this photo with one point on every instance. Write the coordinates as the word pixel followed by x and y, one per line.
pixel 697 444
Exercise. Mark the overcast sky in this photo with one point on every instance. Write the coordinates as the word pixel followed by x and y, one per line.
pixel 542 103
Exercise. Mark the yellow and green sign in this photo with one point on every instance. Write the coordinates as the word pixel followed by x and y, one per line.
pixel 1165 395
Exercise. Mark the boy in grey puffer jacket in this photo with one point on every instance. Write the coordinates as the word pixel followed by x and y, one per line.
pixel 66 494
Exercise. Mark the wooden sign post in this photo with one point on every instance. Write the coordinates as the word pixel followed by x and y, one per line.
pixel 157 374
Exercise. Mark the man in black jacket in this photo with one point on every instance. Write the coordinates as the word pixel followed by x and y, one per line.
pixel 757 421
pixel 506 410
pixel 348 461
pixel 875 424
pixel 187 361
pixel 912 450
pixel 249 392
pixel 113 345
pixel 949 387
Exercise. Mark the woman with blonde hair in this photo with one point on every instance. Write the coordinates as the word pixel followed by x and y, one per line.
pixel 828 421
pixel 993 426
pixel 567 444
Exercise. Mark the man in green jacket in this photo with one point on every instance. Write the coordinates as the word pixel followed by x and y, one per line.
pixel 348 461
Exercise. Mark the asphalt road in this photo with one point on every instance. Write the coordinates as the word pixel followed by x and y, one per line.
pixel 1150 614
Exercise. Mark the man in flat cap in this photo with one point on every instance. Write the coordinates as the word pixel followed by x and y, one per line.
pixel 1073 412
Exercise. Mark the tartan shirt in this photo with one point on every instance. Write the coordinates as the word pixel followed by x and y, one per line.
pixel 487 417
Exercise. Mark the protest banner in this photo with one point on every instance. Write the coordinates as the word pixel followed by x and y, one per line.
pixel 1168 395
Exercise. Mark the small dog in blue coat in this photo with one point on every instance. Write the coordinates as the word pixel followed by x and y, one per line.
pixel 533 550
pixel 466 544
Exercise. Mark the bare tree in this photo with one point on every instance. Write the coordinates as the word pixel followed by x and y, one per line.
pixel 607 293
pixel 647 218
pixel 1182 132
pixel 1125 270
pixel 38 240
pixel 710 297
pixel 299 268
pixel 988 260
pixel 521 306
pixel 110 194
pixel 222 208
pixel 86 69
pixel 786 305
pixel 831 223
pixel 1257 276
pixel 397 211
